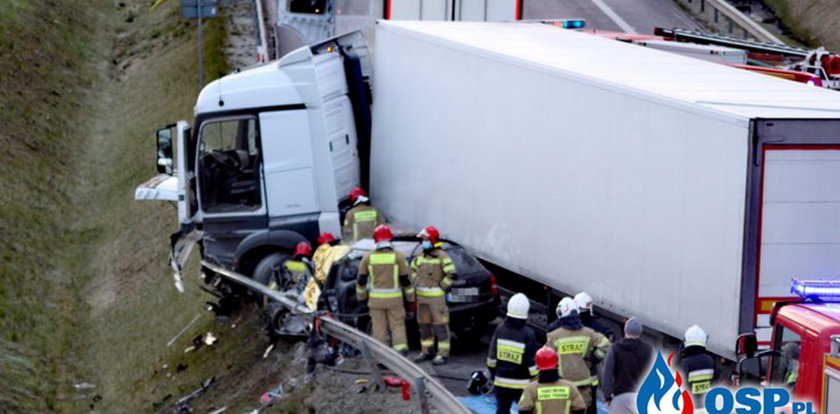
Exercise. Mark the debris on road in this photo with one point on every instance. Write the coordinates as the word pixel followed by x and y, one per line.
pixel 84 386
pixel 268 351
pixel 182 405
pixel 275 394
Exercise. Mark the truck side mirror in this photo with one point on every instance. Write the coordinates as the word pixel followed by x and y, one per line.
pixel 746 344
pixel 164 150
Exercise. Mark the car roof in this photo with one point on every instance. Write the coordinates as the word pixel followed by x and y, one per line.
pixel 405 247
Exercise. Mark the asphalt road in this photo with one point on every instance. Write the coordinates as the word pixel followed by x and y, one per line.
pixel 639 16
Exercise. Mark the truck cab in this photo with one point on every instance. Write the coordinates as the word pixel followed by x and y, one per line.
pixel 803 354
pixel 272 153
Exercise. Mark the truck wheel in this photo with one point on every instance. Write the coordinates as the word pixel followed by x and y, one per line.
pixel 268 266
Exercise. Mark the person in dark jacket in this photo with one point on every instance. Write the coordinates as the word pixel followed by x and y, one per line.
pixel 626 365
pixel 699 367
pixel 511 355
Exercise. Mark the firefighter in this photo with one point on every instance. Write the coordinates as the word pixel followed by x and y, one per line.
pixel 550 393
pixel 575 344
pixel 383 282
pixel 361 219
pixel 697 365
pixel 432 272
pixel 329 250
pixel 295 272
pixel 511 355
pixel 291 278
pixel 588 318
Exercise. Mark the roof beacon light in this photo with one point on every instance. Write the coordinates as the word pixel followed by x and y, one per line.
pixel 574 24
pixel 825 290
pixel 566 23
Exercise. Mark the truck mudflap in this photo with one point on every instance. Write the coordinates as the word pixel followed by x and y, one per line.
pixel 181 244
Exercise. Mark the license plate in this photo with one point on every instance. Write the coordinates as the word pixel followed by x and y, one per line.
pixel 462 295
pixel 470 291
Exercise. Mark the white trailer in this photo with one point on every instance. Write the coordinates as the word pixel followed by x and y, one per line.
pixel 673 189
pixel 676 190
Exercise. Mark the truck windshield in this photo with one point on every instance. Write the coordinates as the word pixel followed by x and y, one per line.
pixel 228 166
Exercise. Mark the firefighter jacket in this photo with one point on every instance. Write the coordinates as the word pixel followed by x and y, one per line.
pixel 359 223
pixel 325 255
pixel 432 272
pixel 575 344
pixel 294 275
pixel 700 372
pixel 550 394
pixel 511 355
pixel 383 279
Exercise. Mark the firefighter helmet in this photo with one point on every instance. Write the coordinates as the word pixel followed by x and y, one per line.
pixel 583 301
pixel 303 248
pixel 546 358
pixel 566 307
pixel 518 306
pixel 326 238
pixel 356 193
pixel 479 384
pixel 431 233
pixel 695 336
pixel 382 232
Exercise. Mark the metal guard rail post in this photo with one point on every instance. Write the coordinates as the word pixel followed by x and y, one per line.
pixel 439 396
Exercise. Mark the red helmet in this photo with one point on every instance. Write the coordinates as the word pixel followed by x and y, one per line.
pixel 356 192
pixel 382 232
pixel 303 248
pixel 546 358
pixel 430 232
pixel 325 238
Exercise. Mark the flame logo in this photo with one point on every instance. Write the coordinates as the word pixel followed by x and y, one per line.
pixel 660 393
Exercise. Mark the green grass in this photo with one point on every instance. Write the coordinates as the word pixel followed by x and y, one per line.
pixel 85 294
pixel 792 23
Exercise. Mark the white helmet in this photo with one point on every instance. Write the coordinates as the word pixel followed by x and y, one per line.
pixel 695 336
pixel 583 301
pixel 518 306
pixel 566 307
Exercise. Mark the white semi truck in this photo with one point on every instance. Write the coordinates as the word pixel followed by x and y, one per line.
pixel 677 190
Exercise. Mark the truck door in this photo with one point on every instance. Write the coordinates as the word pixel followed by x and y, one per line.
pixel 230 185
pixel 797 205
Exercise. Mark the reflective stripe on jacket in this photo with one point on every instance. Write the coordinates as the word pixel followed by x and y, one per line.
pixel 431 273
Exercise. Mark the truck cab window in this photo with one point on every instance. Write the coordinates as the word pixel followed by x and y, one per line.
pixel 228 166
pixel 785 365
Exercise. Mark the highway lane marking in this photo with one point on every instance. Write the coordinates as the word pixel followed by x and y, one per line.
pixel 614 17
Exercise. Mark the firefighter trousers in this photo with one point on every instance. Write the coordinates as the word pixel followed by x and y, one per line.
pixel 433 319
pixel 390 319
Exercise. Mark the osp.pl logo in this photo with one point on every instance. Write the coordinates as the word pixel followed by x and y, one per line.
pixel 662 393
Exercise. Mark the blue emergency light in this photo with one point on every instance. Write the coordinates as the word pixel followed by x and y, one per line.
pixel 825 290
pixel 574 24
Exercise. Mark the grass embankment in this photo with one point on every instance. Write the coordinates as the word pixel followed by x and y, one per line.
pixel 46 73
pixel 85 294
pixel 814 22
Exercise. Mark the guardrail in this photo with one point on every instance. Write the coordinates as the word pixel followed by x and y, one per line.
pixel 428 389
pixel 715 8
